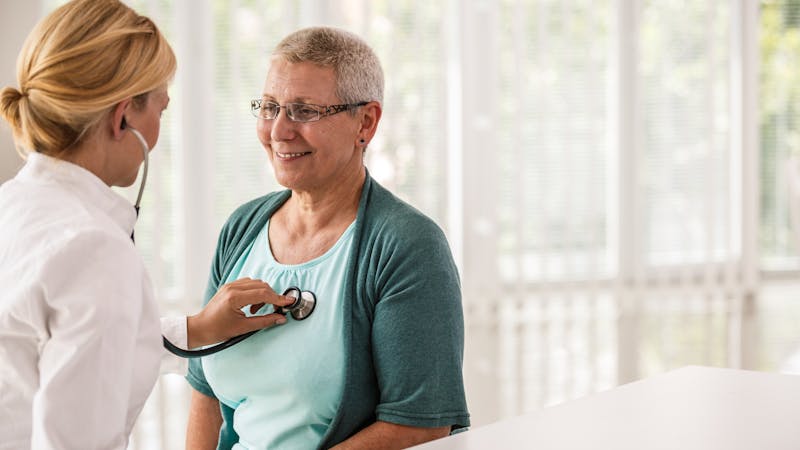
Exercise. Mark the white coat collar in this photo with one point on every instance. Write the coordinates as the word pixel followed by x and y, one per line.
pixel 90 190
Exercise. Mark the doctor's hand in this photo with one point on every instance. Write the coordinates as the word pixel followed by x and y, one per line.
pixel 223 318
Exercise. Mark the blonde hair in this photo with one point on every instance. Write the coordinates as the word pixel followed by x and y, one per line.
pixel 359 76
pixel 75 66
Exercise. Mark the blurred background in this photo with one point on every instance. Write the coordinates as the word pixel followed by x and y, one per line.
pixel 614 176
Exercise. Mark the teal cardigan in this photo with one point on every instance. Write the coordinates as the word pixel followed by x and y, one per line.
pixel 403 321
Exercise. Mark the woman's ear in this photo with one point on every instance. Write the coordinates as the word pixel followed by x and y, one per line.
pixel 118 123
pixel 369 121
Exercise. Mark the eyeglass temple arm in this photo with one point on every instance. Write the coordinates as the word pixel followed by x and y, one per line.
pixel 333 109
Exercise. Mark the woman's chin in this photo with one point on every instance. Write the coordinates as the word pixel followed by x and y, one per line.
pixel 287 180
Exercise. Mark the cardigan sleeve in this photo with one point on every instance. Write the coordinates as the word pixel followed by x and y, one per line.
pixel 195 375
pixel 239 230
pixel 418 329
pixel 236 229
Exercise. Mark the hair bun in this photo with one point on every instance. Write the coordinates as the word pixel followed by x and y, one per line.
pixel 9 105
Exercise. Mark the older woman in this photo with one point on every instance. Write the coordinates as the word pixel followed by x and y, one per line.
pixel 80 345
pixel 378 363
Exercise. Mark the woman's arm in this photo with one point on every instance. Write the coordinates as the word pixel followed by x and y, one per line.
pixel 417 357
pixel 205 420
pixel 385 436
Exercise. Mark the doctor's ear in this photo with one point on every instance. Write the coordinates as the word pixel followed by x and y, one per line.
pixel 118 123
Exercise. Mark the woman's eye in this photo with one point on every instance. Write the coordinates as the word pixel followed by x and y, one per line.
pixel 306 111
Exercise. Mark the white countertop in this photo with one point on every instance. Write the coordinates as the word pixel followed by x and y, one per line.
pixel 692 408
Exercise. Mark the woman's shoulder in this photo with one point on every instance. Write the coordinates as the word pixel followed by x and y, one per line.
pixel 91 248
pixel 69 227
pixel 388 215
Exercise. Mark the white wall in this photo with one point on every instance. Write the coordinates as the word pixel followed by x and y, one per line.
pixel 17 18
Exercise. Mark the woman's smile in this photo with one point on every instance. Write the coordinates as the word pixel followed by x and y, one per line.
pixel 289 156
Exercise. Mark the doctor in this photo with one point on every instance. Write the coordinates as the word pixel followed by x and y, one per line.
pixel 80 340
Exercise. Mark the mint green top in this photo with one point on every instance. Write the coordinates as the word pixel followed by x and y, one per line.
pixel 302 401
pixel 402 318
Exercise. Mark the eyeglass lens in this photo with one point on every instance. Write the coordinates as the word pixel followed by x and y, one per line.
pixel 299 112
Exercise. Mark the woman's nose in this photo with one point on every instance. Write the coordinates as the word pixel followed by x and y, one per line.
pixel 283 128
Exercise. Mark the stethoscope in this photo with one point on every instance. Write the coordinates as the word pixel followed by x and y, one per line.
pixel 304 301
pixel 303 306
pixel 146 152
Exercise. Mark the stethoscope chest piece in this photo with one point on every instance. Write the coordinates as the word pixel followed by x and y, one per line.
pixel 303 305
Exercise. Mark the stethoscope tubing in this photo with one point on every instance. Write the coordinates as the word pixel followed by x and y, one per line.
pixel 146 151
pixel 175 350
pixel 301 309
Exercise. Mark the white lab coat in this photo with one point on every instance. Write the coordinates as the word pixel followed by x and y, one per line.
pixel 80 339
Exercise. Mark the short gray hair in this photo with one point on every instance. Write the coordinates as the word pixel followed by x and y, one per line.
pixel 359 76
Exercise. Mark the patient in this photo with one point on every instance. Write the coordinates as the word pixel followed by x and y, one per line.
pixel 378 363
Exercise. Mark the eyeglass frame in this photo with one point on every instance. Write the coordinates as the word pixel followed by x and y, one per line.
pixel 329 110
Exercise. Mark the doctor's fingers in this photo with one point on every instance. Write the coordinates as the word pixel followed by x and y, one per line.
pixel 246 291
pixel 239 298
pixel 247 283
pixel 247 324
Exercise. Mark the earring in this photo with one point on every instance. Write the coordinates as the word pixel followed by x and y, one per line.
pixel 362 141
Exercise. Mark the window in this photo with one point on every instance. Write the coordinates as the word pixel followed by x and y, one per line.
pixel 593 163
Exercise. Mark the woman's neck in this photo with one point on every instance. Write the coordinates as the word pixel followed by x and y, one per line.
pixel 88 155
pixel 309 212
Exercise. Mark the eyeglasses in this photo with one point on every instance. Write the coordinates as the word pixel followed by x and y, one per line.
pixel 298 112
